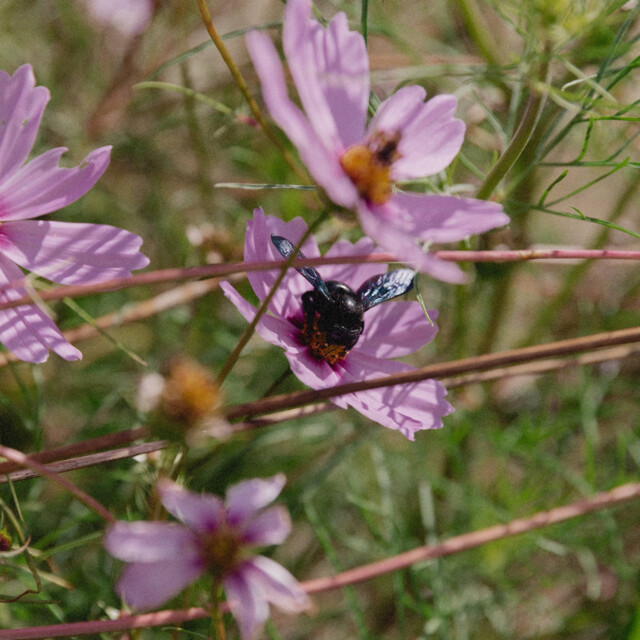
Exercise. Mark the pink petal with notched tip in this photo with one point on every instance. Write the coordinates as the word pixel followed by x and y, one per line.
pixel 430 135
pixel 269 527
pixel 404 407
pixel 330 68
pixel 200 512
pixel 274 330
pixel 27 331
pixel 276 584
pixel 148 585
pixel 41 186
pixel 259 248
pixel 401 243
pixel 322 162
pixel 441 218
pixel 21 107
pixel 396 330
pixel 245 498
pixel 72 253
pixel 143 542
pixel 247 604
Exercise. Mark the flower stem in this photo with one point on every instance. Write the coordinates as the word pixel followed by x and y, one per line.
pixel 244 89
pixel 533 109
pixel 262 309
pixel 440 370
pixel 24 461
pixel 216 612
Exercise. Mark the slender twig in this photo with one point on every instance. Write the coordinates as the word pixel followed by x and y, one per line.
pixel 79 448
pixel 456 544
pixel 263 306
pixel 244 89
pixel 442 370
pixel 163 276
pixel 87 461
pixel 23 460
pixel 529 369
pixel 533 109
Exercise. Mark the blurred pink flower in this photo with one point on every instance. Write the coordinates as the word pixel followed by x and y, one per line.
pixel 391 330
pixel 129 17
pixel 357 164
pixel 69 253
pixel 216 536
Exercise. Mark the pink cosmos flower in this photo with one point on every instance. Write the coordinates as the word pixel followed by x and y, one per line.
pixel 391 330
pixel 357 164
pixel 68 253
pixel 216 536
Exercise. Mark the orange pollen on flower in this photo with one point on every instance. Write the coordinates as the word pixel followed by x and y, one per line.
pixel 190 392
pixel 316 339
pixel 222 550
pixel 369 166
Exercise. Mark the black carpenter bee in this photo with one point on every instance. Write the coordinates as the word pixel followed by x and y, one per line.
pixel 334 313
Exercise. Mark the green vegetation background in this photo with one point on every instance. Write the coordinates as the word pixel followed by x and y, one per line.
pixel 357 492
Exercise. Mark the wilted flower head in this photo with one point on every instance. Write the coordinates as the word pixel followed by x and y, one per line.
pixel 217 537
pixel 391 330
pixel 68 253
pixel 185 402
pixel 356 163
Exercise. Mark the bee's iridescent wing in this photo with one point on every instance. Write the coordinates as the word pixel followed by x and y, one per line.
pixel 286 248
pixel 385 287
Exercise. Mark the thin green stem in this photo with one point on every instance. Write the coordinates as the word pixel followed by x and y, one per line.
pixel 533 108
pixel 262 309
pixel 216 613
pixel 244 89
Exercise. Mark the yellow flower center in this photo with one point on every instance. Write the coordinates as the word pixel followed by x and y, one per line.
pixel 369 166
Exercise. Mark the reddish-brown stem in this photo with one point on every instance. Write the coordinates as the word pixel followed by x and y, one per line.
pixel 224 270
pixel 90 460
pixel 24 461
pixel 79 448
pixel 442 370
pixel 456 544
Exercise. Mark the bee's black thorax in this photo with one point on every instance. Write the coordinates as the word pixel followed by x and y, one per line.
pixel 332 326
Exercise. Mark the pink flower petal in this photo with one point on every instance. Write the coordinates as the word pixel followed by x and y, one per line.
pixel 401 243
pixel 27 331
pixel 259 248
pixel 320 160
pixel 352 274
pixel 72 253
pixel 396 330
pixel 407 408
pixel 247 604
pixel 276 584
pixel 144 542
pixel 273 330
pixel 21 107
pixel 269 527
pixel 330 68
pixel 245 498
pixel 200 512
pixel 430 134
pixel 430 140
pixel 148 585
pixel 41 186
pixel 316 374
pixel 435 218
